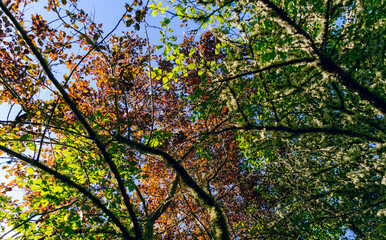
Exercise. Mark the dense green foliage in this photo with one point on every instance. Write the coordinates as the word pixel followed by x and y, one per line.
pixel 304 83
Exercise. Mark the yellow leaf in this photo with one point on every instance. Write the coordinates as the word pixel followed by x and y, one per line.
pixel 30 171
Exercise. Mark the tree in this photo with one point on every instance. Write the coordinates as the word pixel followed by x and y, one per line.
pixel 92 157
pixel 270 125
pixel 303 82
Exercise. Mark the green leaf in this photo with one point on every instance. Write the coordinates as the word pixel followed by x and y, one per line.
pixel 57 189
pixel 165 81
pixel 31 146
pixel 25 137
pixel 89 41
pixel 192 51
pixel 165 22
pixel 191 66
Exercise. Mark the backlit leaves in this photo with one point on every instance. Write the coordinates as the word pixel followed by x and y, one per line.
pixel 268 124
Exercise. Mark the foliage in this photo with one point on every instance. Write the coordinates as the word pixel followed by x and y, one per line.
pixel 268 124
pixel 307 101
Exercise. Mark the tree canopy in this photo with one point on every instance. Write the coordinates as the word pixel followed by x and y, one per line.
pixel 259 119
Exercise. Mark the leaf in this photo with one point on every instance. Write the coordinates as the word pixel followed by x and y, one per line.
pixel 192 51
pixel 57 189
pixel 192 10
pixel 25 137
pixel 31 146
pixel 191 66
pixel 165 81
pixel 89 41
pixel 30 171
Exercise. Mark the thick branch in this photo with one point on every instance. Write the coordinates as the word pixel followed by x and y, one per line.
pixel 80 116
pixel 218 218
pixel 326 22
pixel 71 183
pixel 327 130
pixel 345 78
pixel 195 216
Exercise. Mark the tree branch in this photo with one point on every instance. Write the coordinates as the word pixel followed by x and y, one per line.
pixel 195 216
pixel 37 214
pixel 327 64
pixel 166 202
pixel 142 200
pixel 273 66
pixel 73 184
pixel 326 22
pixel 93 135
pixel 327 130
pixel 217 215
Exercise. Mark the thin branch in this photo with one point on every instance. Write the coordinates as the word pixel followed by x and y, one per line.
pixel 173 162
pixel 215 174
pixel 142 200
pixel 151 87
pixel 95 231
pixel 273 66
pixel 239 108
pixel 340 96
pixel 11 90
pixel 166 202
pixel 270 100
